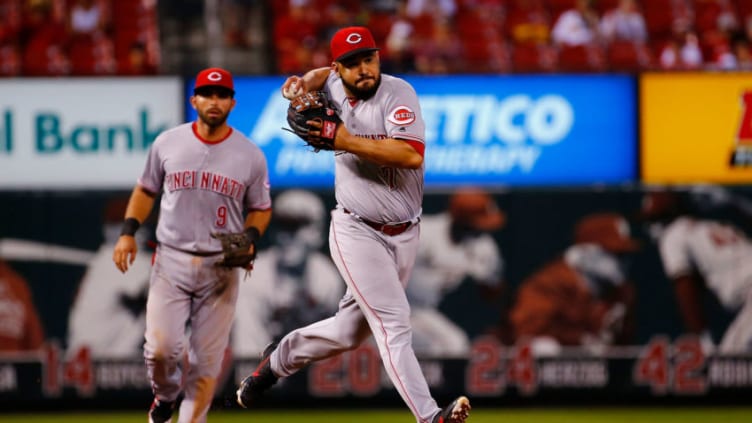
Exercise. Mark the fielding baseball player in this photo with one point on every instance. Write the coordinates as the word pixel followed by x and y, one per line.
pixel 374 231
pixel 294 284
pixel 108 315
pixel 215 204
pixel 697 251
pixel 581 298
pixel 454 245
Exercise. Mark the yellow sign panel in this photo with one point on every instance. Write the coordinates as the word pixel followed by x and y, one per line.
pixel 696 128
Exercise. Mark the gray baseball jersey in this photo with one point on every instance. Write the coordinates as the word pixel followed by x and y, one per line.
pixel 208 185
pixel 374 264
pixel 374 192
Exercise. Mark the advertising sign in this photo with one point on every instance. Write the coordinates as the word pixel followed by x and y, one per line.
pixel 483 130
pixel 82 133
pixel 696 128
pixel 534 311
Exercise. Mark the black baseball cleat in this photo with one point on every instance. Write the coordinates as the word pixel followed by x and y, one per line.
pixel 456 412
pixel 254 386
pixel 161 411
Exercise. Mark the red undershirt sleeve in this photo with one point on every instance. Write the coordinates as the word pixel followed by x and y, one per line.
pixel 418 146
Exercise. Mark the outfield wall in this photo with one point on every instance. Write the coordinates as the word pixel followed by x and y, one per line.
pixel 551 149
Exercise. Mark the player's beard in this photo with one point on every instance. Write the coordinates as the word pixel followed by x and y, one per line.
pixel 363 94
pixel 213 121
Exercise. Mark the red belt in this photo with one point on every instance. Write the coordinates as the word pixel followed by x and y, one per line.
pixel 390 229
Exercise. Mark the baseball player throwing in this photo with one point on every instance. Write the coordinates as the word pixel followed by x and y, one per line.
pixel 209 174
pixel 374 232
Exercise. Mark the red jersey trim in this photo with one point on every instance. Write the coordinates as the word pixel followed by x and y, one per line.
pixel 416 145
pixel 205 141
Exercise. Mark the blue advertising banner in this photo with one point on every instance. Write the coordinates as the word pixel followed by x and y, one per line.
pixel 483 130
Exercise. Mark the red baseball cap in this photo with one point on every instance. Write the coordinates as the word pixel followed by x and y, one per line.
pixel 214 77
pixel 350 41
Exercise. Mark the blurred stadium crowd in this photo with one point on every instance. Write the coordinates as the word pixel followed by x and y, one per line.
pixel 78 37
pixel 122 37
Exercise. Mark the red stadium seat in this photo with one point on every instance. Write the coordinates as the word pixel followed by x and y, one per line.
pixel 706 15
pixel 557 7
pixel 476 54
pixel 45 60
pixel 10 61
pixel 659 17
pixel 486 55
pixel 626 56
pixel 380 23
pixel 81 55
pixel 533 58
pixel 423 26
pixel 581 59
pixel 603 6
pixel 134 22
pixel 744 7
pixel 10 20
pixel 469 24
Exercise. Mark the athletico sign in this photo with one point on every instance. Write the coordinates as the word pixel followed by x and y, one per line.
pixel 543 130
pixel 518 130
pixel 82 133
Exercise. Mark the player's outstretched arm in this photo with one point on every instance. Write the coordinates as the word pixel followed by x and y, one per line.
pixel 387 152
pixel 139 207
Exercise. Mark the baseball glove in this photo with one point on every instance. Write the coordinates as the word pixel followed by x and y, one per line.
pixel 235 248
pixel 314 106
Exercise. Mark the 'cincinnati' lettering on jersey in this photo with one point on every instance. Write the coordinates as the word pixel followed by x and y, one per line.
pixel 373 136
pixel 192 179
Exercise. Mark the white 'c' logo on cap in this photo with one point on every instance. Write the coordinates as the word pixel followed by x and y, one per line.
pixel 353 38
pixel 214 76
